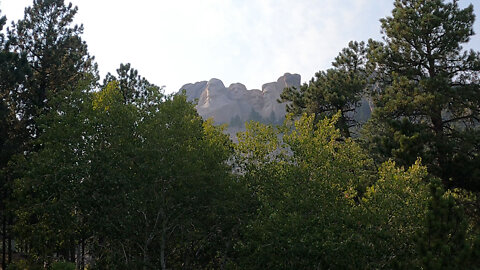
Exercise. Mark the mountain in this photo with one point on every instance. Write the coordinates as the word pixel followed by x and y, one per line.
pixel 234 105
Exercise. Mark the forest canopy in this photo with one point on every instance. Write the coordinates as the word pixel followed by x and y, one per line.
pixel 118 175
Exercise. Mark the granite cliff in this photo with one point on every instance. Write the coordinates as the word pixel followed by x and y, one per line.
pixel 234 105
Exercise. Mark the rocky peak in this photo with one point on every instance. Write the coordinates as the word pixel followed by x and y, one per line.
pixel 288 80
pixel 193 91
pixel 235 105
pixel 215 85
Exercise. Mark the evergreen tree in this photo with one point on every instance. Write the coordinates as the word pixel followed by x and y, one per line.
pixel 236 121
pixel 337 89
pixel 255 116
pixel 13 72
pixel 49 193
pixel 428 100
pixel 134 88
pixel 56 54
pixel 42 60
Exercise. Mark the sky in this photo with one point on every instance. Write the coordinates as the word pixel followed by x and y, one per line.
pixel 253 42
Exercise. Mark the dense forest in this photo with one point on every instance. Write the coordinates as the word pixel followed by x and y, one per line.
pixel 115 174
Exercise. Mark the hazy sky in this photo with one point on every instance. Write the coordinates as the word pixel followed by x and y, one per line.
pixel 176 42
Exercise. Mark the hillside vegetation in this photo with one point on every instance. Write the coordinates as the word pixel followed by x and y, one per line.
pixel 118 175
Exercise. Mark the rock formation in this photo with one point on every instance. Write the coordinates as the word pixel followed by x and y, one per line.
pixel 235 105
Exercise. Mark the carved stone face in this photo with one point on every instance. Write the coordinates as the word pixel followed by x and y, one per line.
pixel 225 104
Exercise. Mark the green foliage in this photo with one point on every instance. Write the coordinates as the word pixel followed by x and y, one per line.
pixel 24 265
pixel 109 96
pixel 13 72
pixel 444 243
pixel 320 202
pixel 428 98
pixel 13 133
pixel 144 186
pixel 44 63
pixel 134 88
pixel 394 210
pixel 56 54
pixel 51 180
pixel 63 266
pixel 133 179
pixel 337 89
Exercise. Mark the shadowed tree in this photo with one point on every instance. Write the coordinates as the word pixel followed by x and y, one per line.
pixel 135 89
pixel 13 72
pixel 43 61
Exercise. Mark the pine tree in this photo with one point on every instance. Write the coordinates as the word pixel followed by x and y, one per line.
pixel 43 61
pixel 13 72
pixel 337 89
pixel 135 89
pixel 428 104
pixel 56 54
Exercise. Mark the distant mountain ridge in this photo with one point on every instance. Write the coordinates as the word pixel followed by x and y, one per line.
pixel 234 105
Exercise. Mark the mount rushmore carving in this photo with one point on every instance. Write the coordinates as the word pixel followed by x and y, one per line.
pixel 234 105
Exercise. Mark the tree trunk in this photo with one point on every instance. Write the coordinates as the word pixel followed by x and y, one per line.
pixel 441 154
pixel 83 255
pixel 162 249
pixel 10 250
pixel 224 255
pixel 73 251
pixel 146 259
pixel 10 240
pixel 344 126
pixel 77 256
pixel 4 241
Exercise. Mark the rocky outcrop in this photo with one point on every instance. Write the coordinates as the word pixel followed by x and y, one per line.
pixel 235 105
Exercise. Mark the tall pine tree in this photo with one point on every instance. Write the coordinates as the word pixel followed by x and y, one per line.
pixel 56 53
pixel 428 104
pixel 43 59
pixel 13 72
